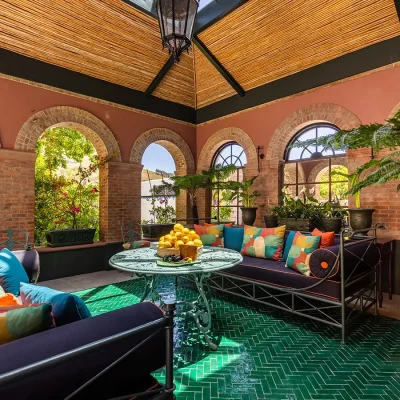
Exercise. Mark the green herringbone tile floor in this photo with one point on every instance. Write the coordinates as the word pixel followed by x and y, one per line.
pixel 265 354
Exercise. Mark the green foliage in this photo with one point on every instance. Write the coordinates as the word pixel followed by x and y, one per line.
pixel 338 187
pixel 65 199
pixel 301 207
pixel 242 191
pixel 376 136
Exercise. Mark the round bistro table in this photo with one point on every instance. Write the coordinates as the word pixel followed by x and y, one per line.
pixel 143 262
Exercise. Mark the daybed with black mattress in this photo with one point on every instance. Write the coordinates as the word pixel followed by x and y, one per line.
pixel 343 278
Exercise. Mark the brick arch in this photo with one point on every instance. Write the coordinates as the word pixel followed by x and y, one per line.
pixel 223 136
pixel 214 142
pixel 314 113
pixel 105 144
pixel 180 152
pixel 394 111
pixel 89 125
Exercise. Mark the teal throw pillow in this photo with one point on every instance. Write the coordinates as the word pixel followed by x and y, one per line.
pixel 12 273
pixel 233 238
pixel 67 307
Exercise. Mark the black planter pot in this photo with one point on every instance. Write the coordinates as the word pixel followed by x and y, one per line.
pixel 294 224
pixel 153 232
pixel 360 218
pixel 331 224
pixel 249 215
pixel 270 221
pixel 69 237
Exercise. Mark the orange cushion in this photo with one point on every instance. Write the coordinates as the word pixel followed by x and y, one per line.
pixel 327 238
pixel 230 224
pixel 8 302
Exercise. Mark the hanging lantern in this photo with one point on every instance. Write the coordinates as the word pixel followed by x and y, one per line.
pixel 176 19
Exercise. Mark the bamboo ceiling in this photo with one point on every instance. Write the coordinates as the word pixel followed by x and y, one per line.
pixel 258 43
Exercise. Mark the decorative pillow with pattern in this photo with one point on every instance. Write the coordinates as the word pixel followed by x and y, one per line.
pixel 263 242
pixel 300 252
pixel 211 235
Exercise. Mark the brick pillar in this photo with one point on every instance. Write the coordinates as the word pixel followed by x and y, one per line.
pixel 17 198
pixel 385 199
pixel 120 198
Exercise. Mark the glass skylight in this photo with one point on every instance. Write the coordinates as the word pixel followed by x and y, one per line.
pixel 204 3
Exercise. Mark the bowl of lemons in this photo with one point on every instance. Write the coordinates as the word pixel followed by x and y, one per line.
pixel 179 236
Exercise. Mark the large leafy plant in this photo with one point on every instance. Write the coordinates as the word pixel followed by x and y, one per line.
pixel 377 137
pixel 299 207
pixel 243 192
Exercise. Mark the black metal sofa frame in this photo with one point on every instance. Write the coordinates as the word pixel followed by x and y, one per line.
pixel 358 285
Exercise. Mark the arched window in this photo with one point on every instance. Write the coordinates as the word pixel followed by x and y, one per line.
pixel 302 170
pixel 222 209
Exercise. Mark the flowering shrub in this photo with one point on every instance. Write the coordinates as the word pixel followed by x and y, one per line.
pixel 65 197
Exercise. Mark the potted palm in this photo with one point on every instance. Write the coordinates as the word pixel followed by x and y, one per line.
pixel 242 191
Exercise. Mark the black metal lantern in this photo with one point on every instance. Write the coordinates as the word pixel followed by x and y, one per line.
pixel 176 19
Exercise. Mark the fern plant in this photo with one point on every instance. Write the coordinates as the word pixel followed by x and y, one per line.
pixel 375 136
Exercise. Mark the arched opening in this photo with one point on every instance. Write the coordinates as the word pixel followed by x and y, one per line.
pixel 180 152
pixel 66 183
pixel 97 133
pixel 158 167
pixel 315 171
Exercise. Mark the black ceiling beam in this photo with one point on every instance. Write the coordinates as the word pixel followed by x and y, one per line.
pixel 397 5
pixel 160 76
pixel 218 66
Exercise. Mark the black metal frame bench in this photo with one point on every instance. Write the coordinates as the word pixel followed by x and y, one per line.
pixel 338 313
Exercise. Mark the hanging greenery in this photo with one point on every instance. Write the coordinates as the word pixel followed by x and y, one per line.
pixel 376 136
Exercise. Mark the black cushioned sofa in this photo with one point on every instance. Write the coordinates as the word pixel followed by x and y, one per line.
pixel 55 363
pixel 343 279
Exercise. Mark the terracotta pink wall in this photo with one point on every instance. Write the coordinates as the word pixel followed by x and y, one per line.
pixel 371 98
pixel 19 101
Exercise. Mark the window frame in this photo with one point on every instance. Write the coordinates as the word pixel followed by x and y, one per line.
pixel 242 167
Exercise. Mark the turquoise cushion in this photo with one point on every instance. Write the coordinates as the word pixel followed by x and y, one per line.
pixel 288 244
pixel 233 238
pixel 12 273
pixel 66 307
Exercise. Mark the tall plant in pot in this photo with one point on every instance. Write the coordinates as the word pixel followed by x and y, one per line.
pixel 243 192
pixel 331 217
pixel 377 171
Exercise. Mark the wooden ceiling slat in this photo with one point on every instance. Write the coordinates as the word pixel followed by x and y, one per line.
pixel 105 39
pixel 267 41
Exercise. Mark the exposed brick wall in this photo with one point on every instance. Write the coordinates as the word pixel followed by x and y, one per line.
pixel 180 152
pixel 17 198
pixel 383 198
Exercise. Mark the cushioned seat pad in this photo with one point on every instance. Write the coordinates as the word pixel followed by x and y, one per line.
pixel 275 273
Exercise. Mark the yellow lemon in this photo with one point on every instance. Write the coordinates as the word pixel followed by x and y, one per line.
pixel 168 238
pixel 192 233
pixel 161 239
pixel 189 260
pixel 167 245
pixel 190 243
pixel 179 242
pixel 197 242
pixel 172 233
pixel 178 235
pixel 185 239
pixel 186 231
pixel 178 227
pixel 196 237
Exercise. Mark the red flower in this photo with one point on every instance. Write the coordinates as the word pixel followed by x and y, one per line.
pixel 65 194
pixel 76 210
pixel 55 222
pixel 95 190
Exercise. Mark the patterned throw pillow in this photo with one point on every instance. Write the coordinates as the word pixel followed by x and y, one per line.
pixel 211 235
pixel 21 322
pixel 263 242
pixel 300 252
